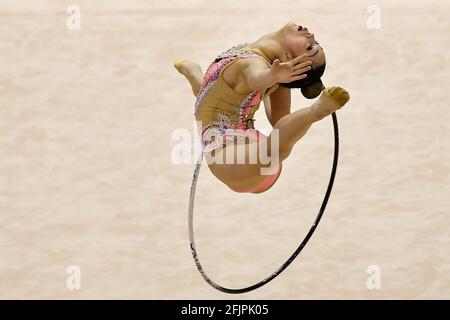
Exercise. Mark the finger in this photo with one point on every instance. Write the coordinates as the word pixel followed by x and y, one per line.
pixel 300 71
pixel 300 77
pixel 303 65
pixel 300 58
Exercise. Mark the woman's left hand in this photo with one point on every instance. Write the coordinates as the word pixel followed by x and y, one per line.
pixel 285 72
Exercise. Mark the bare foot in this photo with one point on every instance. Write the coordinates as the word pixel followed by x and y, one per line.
pixel 331 99
pixel 187 67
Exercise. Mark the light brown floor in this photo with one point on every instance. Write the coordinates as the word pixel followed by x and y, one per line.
pixel 86 177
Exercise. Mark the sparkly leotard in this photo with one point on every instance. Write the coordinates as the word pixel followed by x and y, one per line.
pixel 222 110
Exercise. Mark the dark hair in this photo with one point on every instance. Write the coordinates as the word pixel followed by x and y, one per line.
pixel 311 86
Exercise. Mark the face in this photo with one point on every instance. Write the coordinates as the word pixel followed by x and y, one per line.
pixel 300 40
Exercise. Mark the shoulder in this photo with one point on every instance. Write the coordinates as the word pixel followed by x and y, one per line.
pixel 236 75
pixel 245 65
pixel 250 66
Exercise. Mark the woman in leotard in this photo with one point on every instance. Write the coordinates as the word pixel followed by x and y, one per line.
pixel 229 93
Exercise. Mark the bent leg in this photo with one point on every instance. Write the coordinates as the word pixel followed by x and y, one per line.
pixel 291 128
pixel 251 170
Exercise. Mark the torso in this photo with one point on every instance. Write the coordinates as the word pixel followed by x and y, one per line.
pixel 225 100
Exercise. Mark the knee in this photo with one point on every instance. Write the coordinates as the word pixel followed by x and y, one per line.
pixel 284 151
pixel 284 155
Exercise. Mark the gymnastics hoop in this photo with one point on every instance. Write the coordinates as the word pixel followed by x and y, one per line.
pixel 296 252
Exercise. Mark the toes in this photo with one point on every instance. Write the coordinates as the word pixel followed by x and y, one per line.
pixel 177 64
pixel 338 94
pixel 338 91
pixel 334 90
pixel 343 99
pixel 327 91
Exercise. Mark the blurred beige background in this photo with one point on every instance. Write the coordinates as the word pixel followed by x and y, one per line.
pixel 86 176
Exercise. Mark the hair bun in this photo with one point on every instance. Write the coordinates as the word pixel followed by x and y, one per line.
pixel 313 90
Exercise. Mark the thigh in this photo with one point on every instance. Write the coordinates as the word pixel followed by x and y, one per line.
pixel 242 165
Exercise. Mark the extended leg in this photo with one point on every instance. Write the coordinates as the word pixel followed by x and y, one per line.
pixel 192 71
pixel 294 126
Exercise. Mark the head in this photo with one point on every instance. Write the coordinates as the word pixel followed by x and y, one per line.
pixel 298 40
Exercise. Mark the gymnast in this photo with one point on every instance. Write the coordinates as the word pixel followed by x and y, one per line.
pixel 231 90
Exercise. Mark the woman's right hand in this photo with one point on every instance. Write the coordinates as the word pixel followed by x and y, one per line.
pixel 285 72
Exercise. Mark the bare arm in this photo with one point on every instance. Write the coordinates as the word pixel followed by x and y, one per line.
pixel 259 76
pixel 278 105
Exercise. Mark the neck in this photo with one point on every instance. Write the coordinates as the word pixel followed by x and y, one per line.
pixel 270 46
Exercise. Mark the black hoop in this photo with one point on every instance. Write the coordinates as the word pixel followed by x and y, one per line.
pixel 297 251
